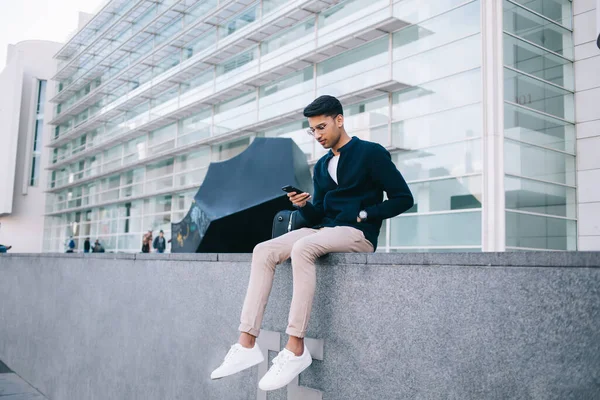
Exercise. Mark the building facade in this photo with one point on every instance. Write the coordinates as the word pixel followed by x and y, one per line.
pixel 24 121
pixel 475 100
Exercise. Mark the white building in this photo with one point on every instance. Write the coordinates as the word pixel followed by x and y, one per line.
pixel 24 88
pixel 489 108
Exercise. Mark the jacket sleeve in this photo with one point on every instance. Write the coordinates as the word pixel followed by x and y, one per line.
pixel 383 171
pixel 314 212
pixel 155 242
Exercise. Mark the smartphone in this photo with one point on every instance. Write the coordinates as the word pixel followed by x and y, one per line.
pixel 290 189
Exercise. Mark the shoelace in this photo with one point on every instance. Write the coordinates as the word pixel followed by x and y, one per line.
pixel 279 361
pixel 234 349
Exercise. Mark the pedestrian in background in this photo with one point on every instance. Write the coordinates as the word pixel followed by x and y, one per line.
pixel 160 243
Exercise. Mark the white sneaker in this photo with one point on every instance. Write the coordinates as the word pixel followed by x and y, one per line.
pixel 286 366
pixel 238 359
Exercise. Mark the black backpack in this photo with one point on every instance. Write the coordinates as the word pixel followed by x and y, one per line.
pixel 286 221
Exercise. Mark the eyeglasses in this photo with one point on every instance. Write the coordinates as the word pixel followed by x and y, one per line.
pixel 318 129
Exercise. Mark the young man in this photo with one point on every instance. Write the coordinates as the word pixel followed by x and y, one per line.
pixel 160 242
pixel 346 214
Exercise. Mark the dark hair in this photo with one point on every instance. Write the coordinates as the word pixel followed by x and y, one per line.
pixel 324 105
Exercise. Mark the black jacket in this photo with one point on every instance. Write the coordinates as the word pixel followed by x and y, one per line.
pixel 159 243
pixel 365 170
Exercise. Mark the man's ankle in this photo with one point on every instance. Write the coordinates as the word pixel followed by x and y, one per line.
pixel 295 345
pixel 247 340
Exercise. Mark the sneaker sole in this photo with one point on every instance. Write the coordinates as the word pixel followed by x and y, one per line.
pixel 287 383
pixel 239 370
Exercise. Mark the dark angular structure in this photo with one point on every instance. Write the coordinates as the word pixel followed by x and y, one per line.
pixel 234 208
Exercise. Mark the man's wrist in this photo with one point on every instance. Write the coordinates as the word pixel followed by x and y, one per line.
pixel 363 215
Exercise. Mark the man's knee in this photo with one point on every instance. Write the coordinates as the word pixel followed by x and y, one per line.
pixel 266 251
pixel 304 250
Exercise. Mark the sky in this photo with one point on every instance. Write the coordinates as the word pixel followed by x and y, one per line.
pixel 40 20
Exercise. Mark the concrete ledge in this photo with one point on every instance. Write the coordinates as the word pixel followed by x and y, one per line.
pixel 392 326
pixel 518 259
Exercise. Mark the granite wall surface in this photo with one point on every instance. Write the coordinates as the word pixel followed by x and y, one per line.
pixel 384 326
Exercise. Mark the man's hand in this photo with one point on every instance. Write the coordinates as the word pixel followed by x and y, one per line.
pixel 299 200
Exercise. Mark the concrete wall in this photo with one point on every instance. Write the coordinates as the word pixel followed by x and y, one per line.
pixel 23 225
pixel 587 115
pixel 389 326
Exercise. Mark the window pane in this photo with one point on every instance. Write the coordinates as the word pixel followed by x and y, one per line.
pixel 432 230
pixel 229 150
pixel 538 30
pixel 539 197
pixel 446 28
pixel 447 126
pixel 354 61
pixel 557 10
pixel 239 21
pixel 538 62
pixel 438 95
pixel 537 232
pixel 531 127
pixel 535 94
pixel 455 159
pixel 287 82
pixel 415 11
pixel 340 11
pixel 538 163
pixel 288 36
pixel 439 62
pixel 237 62
pixel 448 194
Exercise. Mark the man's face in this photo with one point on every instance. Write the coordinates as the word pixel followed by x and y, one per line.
pixel 161 234
pixel 326 130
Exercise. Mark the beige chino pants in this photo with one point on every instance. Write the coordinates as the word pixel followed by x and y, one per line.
pixel 304 246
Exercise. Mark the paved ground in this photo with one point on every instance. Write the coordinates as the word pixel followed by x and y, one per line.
pixel 12 387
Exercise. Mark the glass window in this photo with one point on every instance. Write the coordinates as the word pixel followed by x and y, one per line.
pixel 439 95
pixel 199 44
pixel 415 11
pixel 538 62
pixel 183 201
pixel 532 27
pixel 434 32
pixel 271 5
pixel 535 94
pixel 539 197
pixel 239 21
pixel 529 126
pixel 447 194
pixel 341 11
pixel 449 59
pixel 131 177
pixel 443 127
pixel 560 11
pixel 360 55
pixel 229 150
pixel 191 161
pixel 368 120
pixel 286 82
pixel 237 61
pixel 38 135
pixel 538 163
pixel 162 139
pixel 455 159
pixel 539 232
pixel 166 32
pixel 288 36
pixel 234 104
pixel 198 10
pixel 159 170
pixel 157 205
pixel 428 230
